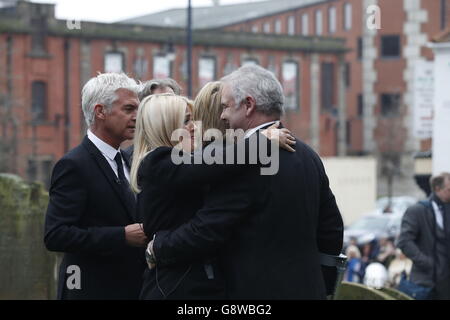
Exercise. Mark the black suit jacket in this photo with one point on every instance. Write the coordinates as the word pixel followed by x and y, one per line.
pixel 170 195
pixel 270 230
pixel 85 219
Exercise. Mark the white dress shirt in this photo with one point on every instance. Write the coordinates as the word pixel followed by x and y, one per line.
pixel 109 153
pixel 438 214
pixel 253 130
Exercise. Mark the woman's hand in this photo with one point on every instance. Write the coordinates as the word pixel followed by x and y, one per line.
pixel 283 135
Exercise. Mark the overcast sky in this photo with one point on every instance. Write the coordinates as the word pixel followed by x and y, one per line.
pixel 114 10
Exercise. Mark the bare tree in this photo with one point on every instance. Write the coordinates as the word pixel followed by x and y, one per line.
pixel 391 136
pixel 9 121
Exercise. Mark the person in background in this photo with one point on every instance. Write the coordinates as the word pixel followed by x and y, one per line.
pixel 387 250
pixel 91 212
pixel 352 274
pixel 398 265
pixel 155 86
pixel 425 238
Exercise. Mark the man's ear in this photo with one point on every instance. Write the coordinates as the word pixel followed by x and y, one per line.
pixel 250 106
pixel 99 111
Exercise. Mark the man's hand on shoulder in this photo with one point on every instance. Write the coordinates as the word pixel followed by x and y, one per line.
pixel 135 236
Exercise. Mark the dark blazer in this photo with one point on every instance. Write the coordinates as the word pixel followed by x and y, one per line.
pixel 269 230
pixel 170 195
pixel 417 241
pixel 85 219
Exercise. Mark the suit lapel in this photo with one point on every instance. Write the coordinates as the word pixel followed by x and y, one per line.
pixel 127 158
pixel 108 173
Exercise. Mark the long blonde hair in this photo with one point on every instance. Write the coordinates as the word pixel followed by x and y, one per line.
pixel 208 107
pixel 158 117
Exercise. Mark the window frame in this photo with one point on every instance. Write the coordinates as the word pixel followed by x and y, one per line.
pixel 42 95
pixel 297 107
pixel 114 52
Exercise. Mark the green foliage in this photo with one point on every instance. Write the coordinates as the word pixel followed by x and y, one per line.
pixel 27 267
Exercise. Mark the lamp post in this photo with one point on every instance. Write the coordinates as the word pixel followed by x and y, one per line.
pixel 189 48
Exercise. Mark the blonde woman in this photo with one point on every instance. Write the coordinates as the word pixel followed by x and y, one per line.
pixel 169 195
pixel 208 107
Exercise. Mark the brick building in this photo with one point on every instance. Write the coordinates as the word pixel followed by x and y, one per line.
pixel 381 68
pixel 44 63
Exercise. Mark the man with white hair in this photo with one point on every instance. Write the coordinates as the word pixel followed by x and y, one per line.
pixel 271 229
pixel 91 212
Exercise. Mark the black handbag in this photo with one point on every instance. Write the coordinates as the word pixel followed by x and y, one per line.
pixel 414 290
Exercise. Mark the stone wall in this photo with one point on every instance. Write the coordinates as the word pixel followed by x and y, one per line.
pixel 27 269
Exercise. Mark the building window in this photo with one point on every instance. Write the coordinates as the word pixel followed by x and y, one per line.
pixel 390 105
pixel 114 62
pixel 348 71
pixel 348 133
pixel 278 26
pixel 272 66
pixel 255 28
pixel 46 169
pixel 161 67
pixel 39 101
pixel 266 27
pixel 290 85
pixel 327 86
pixel 332 20
pixel 140 67
pixel 443 14
pixel 347 16
pixel 32 170
pixel 230 65
pixel 291 25
pixel 360 48
pixel 319 23
pixel 206 70
pixel 40 170
pixel 390 46
pixel 360 104
pixel 305 24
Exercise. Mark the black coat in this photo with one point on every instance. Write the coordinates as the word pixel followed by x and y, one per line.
pixel 170 195
pixel 269 230
pixel 85 219
pixel 417 240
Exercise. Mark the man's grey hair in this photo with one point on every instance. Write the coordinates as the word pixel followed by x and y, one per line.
pixel 259 83
pixel 102 90
pixel 147 88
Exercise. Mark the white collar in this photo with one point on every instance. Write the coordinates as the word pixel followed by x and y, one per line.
pixel 101 145
pixel 438 214
pixel 253 130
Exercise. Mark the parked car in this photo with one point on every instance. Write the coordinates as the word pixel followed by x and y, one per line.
pixel 398 204
pixel 372 227
pixel 384 221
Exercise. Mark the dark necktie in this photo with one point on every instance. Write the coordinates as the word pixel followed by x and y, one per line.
pixel 124 185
